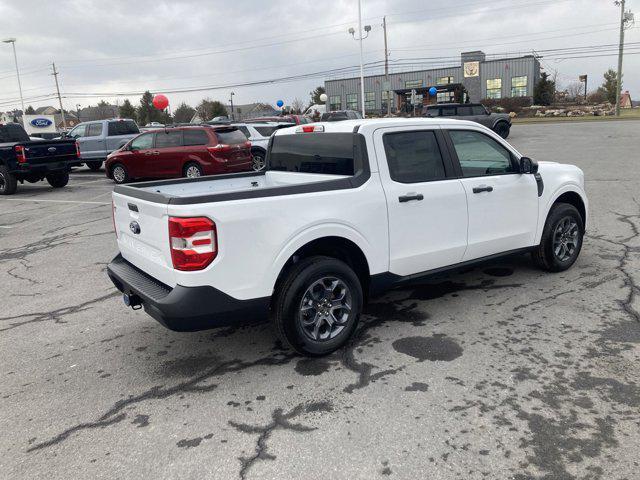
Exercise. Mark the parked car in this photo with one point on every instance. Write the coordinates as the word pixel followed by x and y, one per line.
pixel 98 139
pixel 259 134
pixel 23 159
pixel 339 115
pixel 475 112
pixel 345 210
pixel 292 119
pixel 181 152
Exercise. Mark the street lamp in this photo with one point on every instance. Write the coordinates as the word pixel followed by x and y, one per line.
pixel 12 41
pixel 360 37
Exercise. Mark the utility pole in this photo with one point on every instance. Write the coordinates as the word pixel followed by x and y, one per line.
pixel 55 75
pixel 620 52
pixel 626 20
pixel 361 57
pixel 232 114
pixel 386 66
pixel 12 41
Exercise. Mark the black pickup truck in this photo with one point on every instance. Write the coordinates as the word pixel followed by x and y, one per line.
pixel 22 159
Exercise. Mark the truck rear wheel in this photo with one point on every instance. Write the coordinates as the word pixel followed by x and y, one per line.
pixel 502 129
pixel 8 182
pixel 95 166
pixel 58 180
pixel 318 305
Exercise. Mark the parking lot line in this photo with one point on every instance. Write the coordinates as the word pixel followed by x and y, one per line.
pixel 52 201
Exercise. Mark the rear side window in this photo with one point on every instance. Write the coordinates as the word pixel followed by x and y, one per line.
pixel 433 112
pixel 413 157
pixel 331 153
pixel 169 139
pixel 12 132
pixel 230 137
pixel 123 127
pixel 94 130
pixel 195 137
pixel 266 131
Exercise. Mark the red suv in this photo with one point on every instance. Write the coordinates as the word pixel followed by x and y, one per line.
pixel 181 152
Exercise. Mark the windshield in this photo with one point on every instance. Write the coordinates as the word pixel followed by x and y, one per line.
pixel 331 153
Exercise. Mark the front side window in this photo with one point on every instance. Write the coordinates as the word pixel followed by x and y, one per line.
pixel 143 142
pixel 519 86
pixel 78 132
pixel 480 155
pixel 94 130
pixel 169 139
pixel 370 100
pixel 352 101
pixel 478 110
pixel 494 88
pixel 335 102
pixel 413 157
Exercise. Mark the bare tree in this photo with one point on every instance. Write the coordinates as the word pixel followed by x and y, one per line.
pixel 297 106
pixel 575 90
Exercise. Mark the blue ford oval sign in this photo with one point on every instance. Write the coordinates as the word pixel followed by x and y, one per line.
pixel 41 122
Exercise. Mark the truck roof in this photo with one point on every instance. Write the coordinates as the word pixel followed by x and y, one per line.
pixel 373 123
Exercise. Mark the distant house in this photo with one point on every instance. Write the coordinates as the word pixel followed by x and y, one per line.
pixel 99 112
pixel 48 110
pixel 70 120
pixel 252 110
pixel 625 100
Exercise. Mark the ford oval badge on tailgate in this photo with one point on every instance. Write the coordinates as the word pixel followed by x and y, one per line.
pixel 135 227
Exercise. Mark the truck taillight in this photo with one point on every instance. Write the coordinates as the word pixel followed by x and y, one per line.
pixel 193 242
pixel 77 149
pixel 20 154
pixel 113 215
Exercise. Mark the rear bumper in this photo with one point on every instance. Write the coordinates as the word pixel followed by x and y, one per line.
pixel 185 308
pixel 26 169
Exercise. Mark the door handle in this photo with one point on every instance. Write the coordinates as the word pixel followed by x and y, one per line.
pixel 482 188
pixel 156 152
pixel 410 196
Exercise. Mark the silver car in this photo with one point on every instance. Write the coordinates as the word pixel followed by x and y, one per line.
pixel 99 138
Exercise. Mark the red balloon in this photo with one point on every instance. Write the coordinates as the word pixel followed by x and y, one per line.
pixel 160 102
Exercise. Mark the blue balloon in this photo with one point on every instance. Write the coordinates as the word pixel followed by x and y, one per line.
pixel 433 91
pixel 280 103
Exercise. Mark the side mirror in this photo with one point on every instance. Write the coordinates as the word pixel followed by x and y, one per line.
pixel 528 165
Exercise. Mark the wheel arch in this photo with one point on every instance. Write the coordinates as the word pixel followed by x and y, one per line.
pixel 331 245
pixel 571 194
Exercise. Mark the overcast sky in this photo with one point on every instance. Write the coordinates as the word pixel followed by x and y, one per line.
pixel 131 46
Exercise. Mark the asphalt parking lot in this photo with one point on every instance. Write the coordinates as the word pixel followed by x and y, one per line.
pixel 499 372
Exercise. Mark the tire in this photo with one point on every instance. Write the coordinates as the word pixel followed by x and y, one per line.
pixel 119 173
pixel 311 281
pixel 8 181
pixel 58 180
pixel 94 166
pixel 551 255
pixel 502 129
pixel 258 160
pixel 192 170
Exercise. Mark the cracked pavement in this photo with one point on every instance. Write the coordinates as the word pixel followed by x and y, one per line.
pixel 501 371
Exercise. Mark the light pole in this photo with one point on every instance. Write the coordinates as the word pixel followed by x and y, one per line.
pixel 12 41
pixel 367 29
pixel 232 116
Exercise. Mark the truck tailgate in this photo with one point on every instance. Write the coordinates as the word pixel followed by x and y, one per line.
pixel 43 152
pixel 143 236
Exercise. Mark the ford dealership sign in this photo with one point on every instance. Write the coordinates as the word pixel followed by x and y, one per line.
pixel 41 122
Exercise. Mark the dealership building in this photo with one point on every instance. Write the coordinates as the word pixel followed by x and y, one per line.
pixel 476 78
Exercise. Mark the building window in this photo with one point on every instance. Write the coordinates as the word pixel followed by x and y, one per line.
pixel 370 100
pixel 444 80
pixel 494 88
pixel 519 86
pixel 445 97
pixel 413 84
pixel 352 101
pixel 335 102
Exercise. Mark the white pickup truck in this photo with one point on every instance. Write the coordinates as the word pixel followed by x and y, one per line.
pixel 344 210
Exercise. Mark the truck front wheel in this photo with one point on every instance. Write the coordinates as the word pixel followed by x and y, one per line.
pixel 561 239
pixel 502 129
pixel 318 305
pixel 58 180
pixel 8 182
